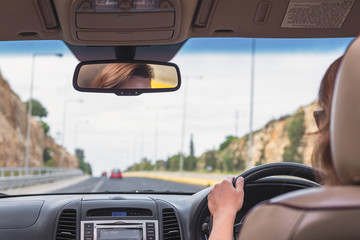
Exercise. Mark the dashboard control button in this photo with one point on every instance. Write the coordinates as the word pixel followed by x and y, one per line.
pixel 89 225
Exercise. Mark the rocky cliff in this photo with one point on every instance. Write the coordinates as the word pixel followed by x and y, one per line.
pixel 13 127
pixel 290 138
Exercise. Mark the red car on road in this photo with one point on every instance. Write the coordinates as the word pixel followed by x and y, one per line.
pixel 116 173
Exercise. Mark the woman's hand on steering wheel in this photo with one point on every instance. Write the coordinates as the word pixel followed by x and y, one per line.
pixel 224 201
pixel 224 197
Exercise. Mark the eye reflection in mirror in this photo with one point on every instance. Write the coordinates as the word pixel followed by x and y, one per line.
pixel 126 78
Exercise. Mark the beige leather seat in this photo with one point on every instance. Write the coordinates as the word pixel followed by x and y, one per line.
pixel 328 212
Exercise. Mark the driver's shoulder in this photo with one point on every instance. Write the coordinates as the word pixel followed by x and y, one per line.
pixel 300 214
pixel 319 198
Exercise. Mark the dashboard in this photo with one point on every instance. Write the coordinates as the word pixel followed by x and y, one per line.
pixel 132 216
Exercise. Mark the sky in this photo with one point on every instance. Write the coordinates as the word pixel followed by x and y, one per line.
pixel 117 131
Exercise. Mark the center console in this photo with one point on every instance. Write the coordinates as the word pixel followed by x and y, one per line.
pixel 115 220
pixel 119 230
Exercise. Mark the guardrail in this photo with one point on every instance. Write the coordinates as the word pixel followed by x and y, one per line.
pixel 22 177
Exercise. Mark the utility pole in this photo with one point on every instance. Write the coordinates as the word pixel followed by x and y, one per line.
pixel 62 155
pixel 249 163
pixel 181 162
pixel 156 140
pixel 28 130
pixel 236 123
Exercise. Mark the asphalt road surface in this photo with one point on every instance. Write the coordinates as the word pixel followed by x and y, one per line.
pixel 103 184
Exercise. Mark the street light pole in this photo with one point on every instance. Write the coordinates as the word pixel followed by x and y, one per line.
pixel 236 123
pixel 76 133
pixel 181 162
pixel 63 128
pixel 142 148
pixel 156 137
pixel 156 140
pixel 253 46
pixel 28 129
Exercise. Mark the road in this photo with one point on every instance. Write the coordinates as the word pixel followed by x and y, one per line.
pixel 102 184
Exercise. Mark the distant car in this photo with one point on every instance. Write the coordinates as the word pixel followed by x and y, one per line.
pixel 104 174
pixel 116 173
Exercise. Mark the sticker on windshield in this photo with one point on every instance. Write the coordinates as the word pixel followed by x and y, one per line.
pixel 317 13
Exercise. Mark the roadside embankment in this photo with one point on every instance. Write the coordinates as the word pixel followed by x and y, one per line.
pixel 203 179
pixel 47 187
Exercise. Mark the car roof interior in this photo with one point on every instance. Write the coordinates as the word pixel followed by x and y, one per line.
pixel 95 33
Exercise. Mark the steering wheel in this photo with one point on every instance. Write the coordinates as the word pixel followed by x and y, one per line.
pixel 281 168
pixel 275 169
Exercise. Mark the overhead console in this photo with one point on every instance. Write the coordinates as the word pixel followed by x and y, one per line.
pixel 119 22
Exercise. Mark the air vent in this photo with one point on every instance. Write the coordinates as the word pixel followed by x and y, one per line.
pixel 66 229
pixel 171 229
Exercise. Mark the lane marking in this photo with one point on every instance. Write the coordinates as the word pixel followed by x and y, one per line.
pixel 188 180
pixel 98 185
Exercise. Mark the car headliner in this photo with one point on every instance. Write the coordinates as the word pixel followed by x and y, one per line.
pixel 45 20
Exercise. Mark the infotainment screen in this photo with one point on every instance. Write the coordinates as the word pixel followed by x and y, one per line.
pixel 118 214
pixel 119 234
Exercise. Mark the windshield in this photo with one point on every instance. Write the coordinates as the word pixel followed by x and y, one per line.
pixel 243 102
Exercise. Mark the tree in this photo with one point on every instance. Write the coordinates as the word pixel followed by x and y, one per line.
pixel 192 151
pixel 296 131
pixel 146 165
pixel 229 163
pixel 47 158
pixel 38 110
pixel 191 160
pixel 227 142
pixel 210 160
pixel 79 153
pixel 239 163
pixel 173 162
pixel 45 127
pixel 47 154
pixel 86 167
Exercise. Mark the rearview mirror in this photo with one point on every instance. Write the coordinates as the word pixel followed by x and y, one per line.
pixel 126 77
